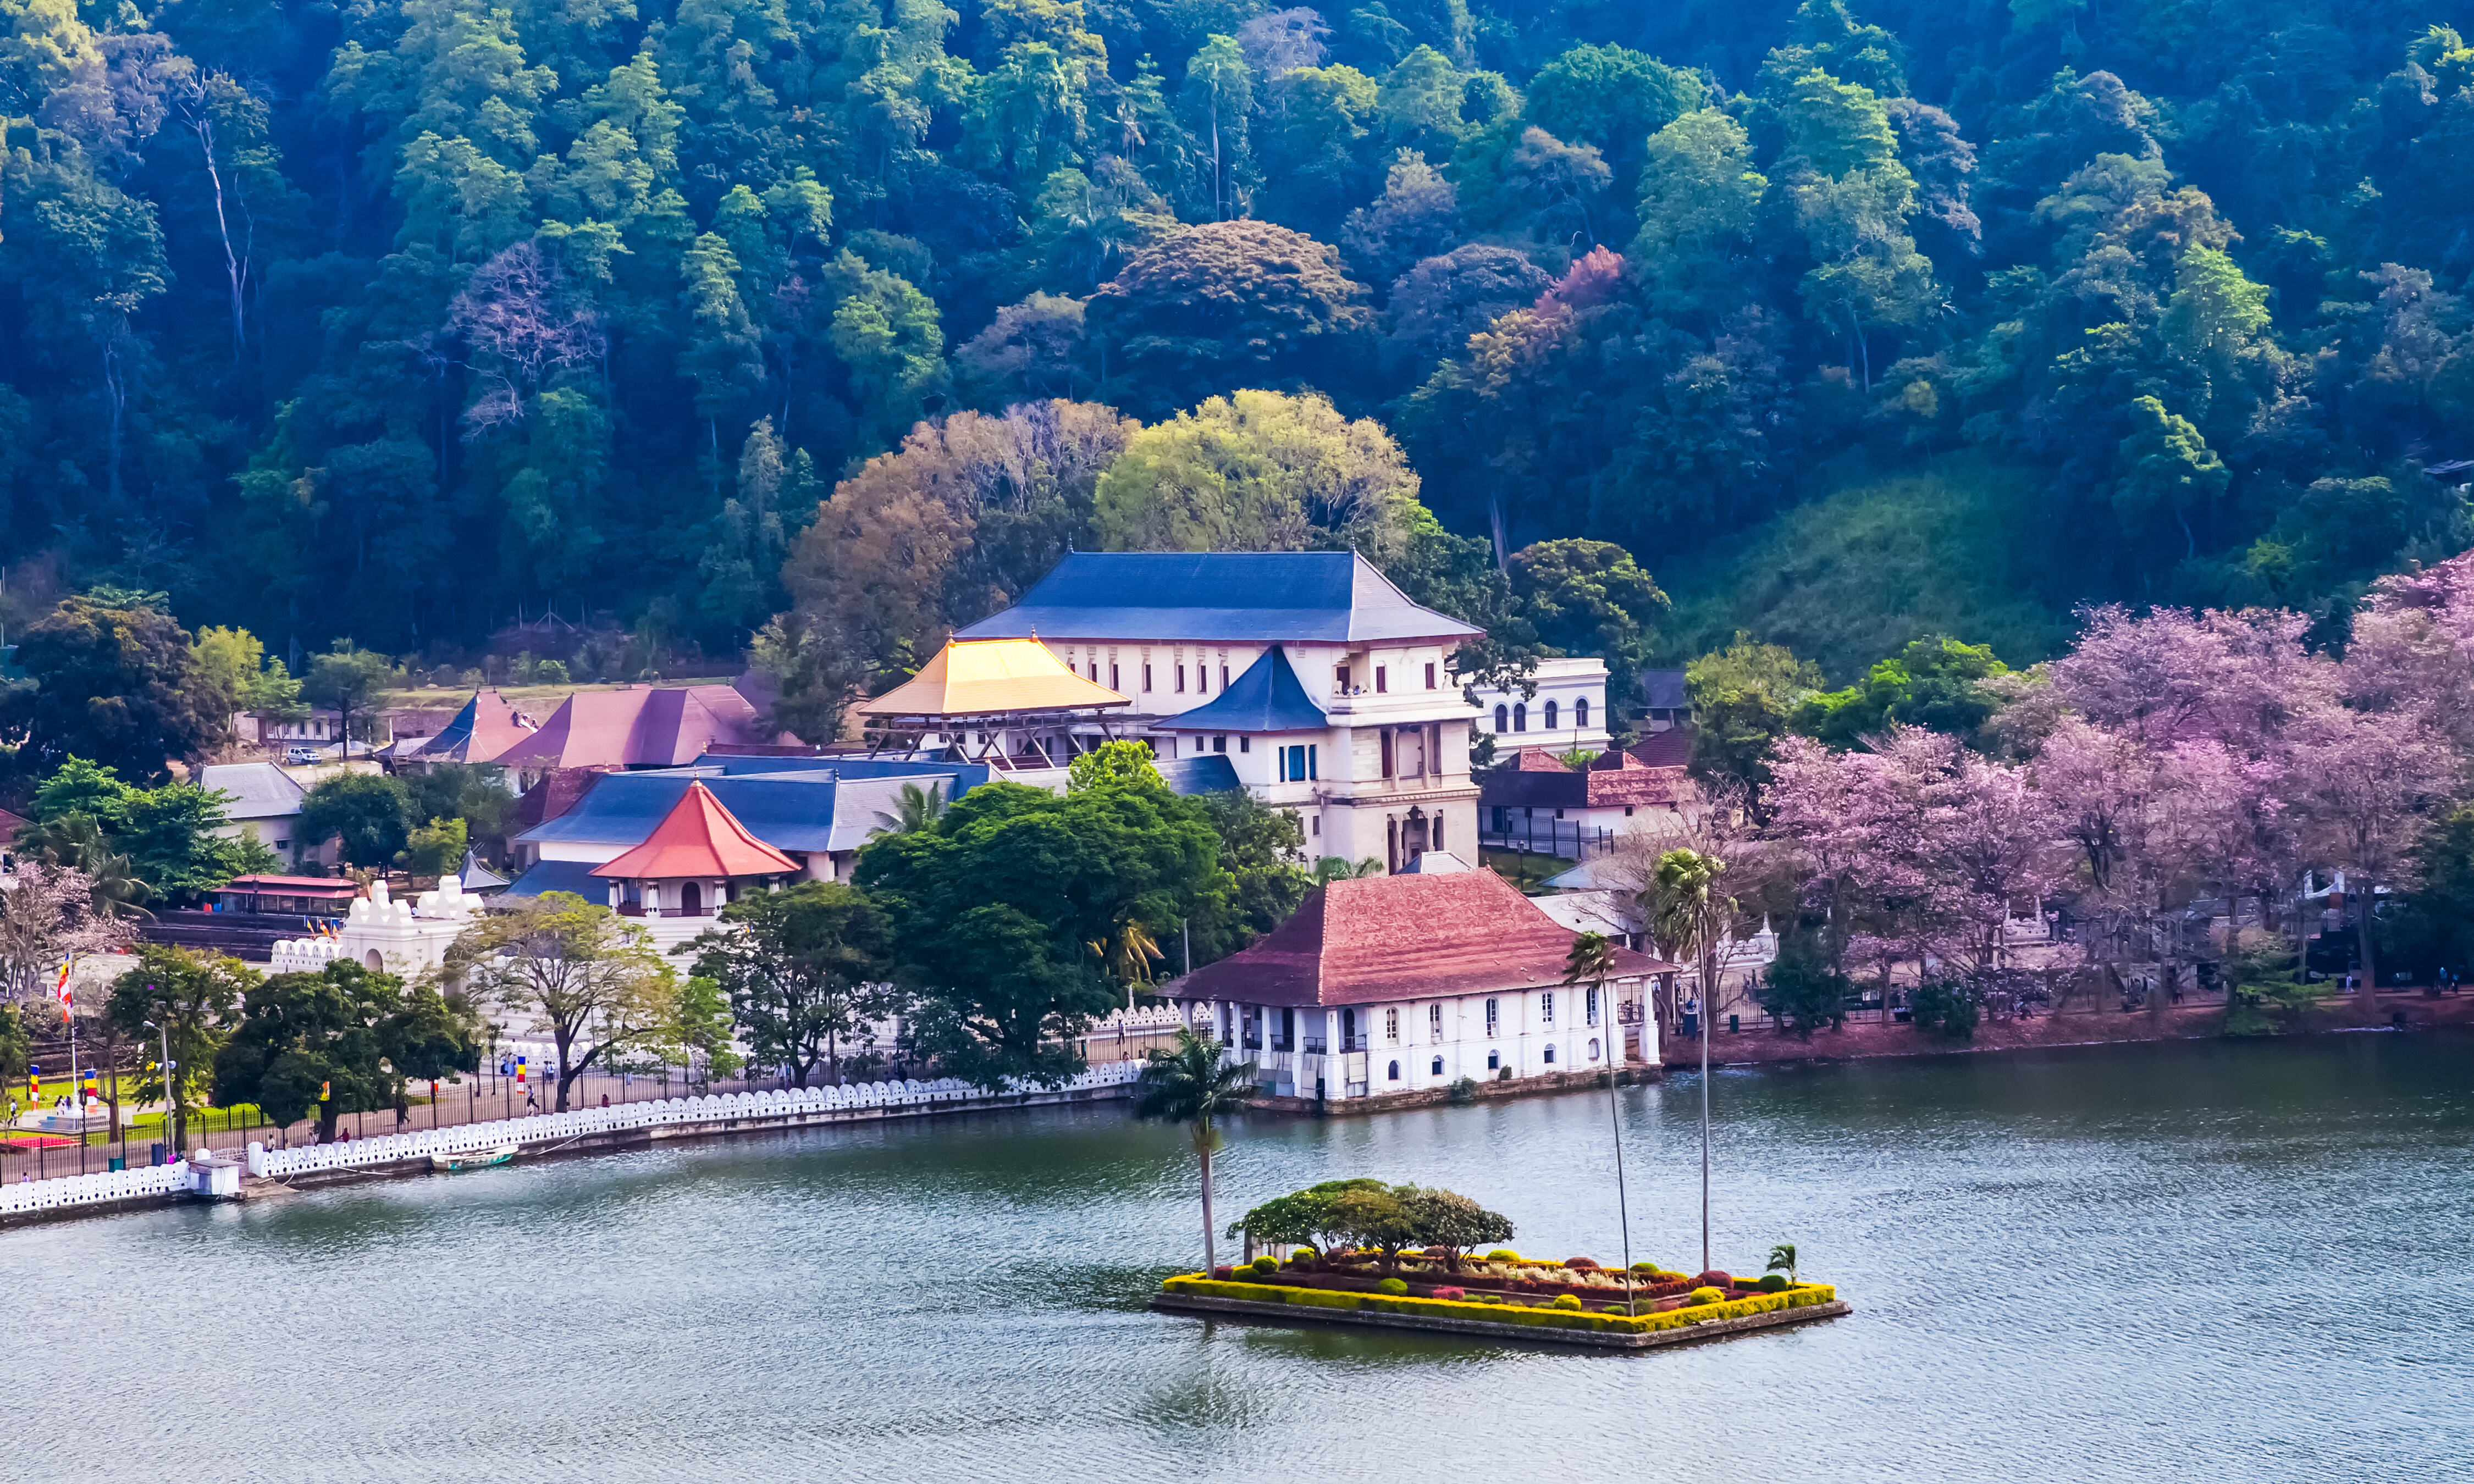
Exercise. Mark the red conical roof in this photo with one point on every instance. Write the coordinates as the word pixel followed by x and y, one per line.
pixel 698 838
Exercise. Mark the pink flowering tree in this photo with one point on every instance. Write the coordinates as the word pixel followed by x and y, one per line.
pixel 2374 778
pixel 47 918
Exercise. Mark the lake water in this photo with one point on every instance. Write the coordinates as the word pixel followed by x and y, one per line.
pixel 2193 1261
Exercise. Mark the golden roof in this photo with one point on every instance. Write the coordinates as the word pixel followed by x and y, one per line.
pixel 990 677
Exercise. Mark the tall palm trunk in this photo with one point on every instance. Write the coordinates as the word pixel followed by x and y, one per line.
pixel 1202 1142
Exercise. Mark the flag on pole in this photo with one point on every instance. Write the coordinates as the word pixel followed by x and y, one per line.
pixel 62 993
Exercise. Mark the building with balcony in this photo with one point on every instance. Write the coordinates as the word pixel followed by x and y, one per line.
pixel 1402 984
pixel 1326 690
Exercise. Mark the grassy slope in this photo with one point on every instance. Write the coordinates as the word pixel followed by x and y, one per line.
pixel 1850 577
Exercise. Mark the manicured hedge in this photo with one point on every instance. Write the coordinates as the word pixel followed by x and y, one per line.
pixel 1803 1296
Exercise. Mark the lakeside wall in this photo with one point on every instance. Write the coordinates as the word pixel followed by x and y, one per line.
pixel 619 1126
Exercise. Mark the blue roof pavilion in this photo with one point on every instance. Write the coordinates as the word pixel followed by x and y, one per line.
pixel 1321 597
pixel 1268 697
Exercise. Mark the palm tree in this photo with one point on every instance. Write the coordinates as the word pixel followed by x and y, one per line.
pixel 1783 1255
pixel 1333 868
pixel 1127 955
pixel 1193 1085
pixel 1688 915
pixel 76 841
pixel 1591 964
pixel 914 810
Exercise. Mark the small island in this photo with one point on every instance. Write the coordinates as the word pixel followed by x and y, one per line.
pixel 1365 1272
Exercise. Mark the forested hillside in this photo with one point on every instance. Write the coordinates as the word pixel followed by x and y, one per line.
pixel 394 320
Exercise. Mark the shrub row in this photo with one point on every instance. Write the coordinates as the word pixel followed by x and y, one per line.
pixel 1803 1296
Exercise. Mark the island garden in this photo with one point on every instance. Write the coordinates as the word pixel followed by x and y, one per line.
pixel 1403 1257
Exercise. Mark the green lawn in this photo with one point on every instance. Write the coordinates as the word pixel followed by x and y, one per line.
pixel 1852 576
pixel 1527 871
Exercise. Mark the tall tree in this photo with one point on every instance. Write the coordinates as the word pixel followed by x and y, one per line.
pixel 805 970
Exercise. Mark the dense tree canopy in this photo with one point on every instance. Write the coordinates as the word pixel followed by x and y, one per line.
pixel 389 324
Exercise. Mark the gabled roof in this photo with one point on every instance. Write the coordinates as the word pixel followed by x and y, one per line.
pixel 1268 696
pixel 485 728
pixel 990 678
pixel 698 838
pixel 1324 597
pixel 1538 779
pixel 1404 936
pixel 1669 749
pixel 799 804
pixel 637 728
pixel 474 877
pixel 1663 689
pixel 259 790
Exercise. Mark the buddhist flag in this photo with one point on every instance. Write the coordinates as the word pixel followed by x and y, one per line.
pixel 60 992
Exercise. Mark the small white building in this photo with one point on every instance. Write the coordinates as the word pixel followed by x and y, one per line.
pixel 1406 984
pixel 1567 712
pixel 265 803
pixel 385 936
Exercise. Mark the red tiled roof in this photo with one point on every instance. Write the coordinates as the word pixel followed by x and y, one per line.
pixel 698 838
pixel 298 886
pixel 637 727
pixel 1404 936
pixel 1536 760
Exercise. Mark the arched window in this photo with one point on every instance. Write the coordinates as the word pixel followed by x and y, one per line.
pixel 1550 1053
pixel 1396 1071
pixel 1521 716
pixel 1502 717
pixel 1550 716
pixel 1439 1067
pixel 1581 713
pixel 1593 1048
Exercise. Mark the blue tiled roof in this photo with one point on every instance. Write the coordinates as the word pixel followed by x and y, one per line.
pixel 1328 597
pixel 1210 773
pixel 791 804
pixel 561 875
pixel 1267 698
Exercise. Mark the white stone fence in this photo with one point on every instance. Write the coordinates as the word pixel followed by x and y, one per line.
pixel 96 1190
pixel 585 1122
pixel 788 1104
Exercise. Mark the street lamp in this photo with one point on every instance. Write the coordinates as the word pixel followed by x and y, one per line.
pixel 167 1064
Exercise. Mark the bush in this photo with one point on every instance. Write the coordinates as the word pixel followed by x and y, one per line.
pixel 1950 1011
pixel 1704 1295
pixel 1773 1283
pixel 1581 1264
pixel 1456 1295
pixel 1392 1286
pixel 1223 1271
pixel 1266 1263
pixel 1649 1268
pixel 1302 1255
pixel 1713 1279
pixel 1463 1092
pixel 1503 1254
pixel 1567 1300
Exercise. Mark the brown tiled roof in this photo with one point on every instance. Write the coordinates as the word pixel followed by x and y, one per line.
pixel 1669 749
pixel 1537 780
pixel 661 727
pixel 555 795
pixel 1404 936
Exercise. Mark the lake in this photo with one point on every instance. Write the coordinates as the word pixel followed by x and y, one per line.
pixel 2196 1260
